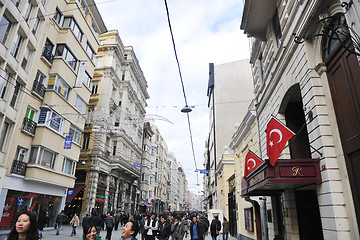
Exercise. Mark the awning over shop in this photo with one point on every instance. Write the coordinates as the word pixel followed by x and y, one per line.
pixel 75 191
pixel 267 180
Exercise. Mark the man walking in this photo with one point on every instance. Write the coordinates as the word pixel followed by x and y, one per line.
pixel 151 227
pixel 109 222
pixel 59 220
pixel 196 230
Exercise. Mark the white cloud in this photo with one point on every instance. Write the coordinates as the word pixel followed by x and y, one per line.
pixel 205 31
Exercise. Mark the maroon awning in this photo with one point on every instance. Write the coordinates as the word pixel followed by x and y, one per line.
pixel 267 180
pixel 76 190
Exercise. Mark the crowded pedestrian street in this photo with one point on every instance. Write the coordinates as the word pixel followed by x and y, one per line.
pixel 65 233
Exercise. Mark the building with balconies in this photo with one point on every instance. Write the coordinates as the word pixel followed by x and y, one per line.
pixel 47 59
pixel 112 152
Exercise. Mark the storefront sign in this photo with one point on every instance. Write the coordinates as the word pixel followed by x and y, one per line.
pixel 268 180
pixel 19 201
pixel 8 212
pixel 68 142
pixel 70 192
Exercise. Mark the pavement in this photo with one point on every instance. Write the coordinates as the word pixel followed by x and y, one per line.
pixel 65 233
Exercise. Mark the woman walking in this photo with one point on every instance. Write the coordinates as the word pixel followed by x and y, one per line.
pixel 74 223
pixel 225 229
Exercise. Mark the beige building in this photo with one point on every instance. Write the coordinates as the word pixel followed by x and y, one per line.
pixel 246 137
pixel 111 154
pixel 229 90
pixel 47 54
pixel 311 85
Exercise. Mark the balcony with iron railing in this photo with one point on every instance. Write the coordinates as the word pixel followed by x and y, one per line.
pixel 18 167
pixel 29 126
pixel 39 88
pixel 47 54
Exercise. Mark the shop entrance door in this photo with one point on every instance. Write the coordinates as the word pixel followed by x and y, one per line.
pixel 232 214
pixel 308 215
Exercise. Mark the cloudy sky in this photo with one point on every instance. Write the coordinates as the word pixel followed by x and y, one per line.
pixel 204 31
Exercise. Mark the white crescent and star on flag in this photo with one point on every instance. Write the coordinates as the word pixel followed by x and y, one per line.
pixel 251 160
pixel 275 130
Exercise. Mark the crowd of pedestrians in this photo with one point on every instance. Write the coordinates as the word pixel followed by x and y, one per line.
pixel 176 226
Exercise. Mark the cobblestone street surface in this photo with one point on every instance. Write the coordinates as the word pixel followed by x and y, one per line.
pixel 49 234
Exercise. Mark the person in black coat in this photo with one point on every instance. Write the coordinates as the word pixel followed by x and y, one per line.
pixel 42 220
pixel 97 221
pixel 196 230
pixel 215 227
pixel 164 229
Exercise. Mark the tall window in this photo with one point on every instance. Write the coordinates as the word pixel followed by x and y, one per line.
pixel 28 8
pixel 63 51
pixel 15 48
pixel 76 133
pixel 57 16
pixel 16 2
pixel 36 25
pixel 15 94
pixel 48 49
pixel 26 57
pixel 43 156
pixel 5 26
pixel 90 52
pixel 114 148
pixel 87 79
pixel 249 222
pixel 4 134
pixel 98 62
pixel 59 85
pixel 69 22
pixel 86 140
pixel 68 166
pixel 4 81
pixel 94 88
pixel 80 104
pixel 277 27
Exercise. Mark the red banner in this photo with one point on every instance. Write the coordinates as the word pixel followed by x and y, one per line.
pixel 8 212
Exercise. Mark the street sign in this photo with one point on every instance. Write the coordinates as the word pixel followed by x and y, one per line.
pixel 137 165
pixel 204 171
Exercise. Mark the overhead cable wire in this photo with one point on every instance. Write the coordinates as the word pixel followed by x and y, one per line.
pixel 182 82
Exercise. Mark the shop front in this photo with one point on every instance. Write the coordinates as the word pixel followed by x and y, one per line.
pixel 288 178
pixel 18 201
pixel 74 200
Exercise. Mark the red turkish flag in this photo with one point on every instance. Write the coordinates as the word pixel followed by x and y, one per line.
pixel 251 162
pixel 277 134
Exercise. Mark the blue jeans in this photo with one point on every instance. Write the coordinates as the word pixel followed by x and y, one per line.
pixel 40 234
pixel 58 229
pixel 73 232
pixel 225 236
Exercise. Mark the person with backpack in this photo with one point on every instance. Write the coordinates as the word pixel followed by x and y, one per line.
pixel 151 227
pixel 60 218
pixel 215 227
pixel 109 223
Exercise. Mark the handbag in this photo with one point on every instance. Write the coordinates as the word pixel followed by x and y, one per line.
pixel 217 232
pixel 55 225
